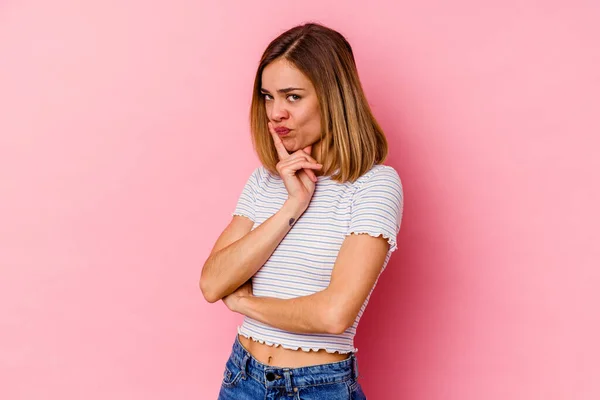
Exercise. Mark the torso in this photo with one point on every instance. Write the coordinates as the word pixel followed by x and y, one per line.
pixel 331 200
pixel 282 358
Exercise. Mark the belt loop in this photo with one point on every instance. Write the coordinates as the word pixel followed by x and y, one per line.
pixel 244 365
pixel 355 366
pixel 288 380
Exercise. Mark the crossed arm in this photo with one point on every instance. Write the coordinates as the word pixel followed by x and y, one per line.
pixel 332 310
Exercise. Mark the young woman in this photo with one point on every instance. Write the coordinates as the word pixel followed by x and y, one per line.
pixel 313 229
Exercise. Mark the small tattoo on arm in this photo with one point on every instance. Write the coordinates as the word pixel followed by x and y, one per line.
pixel 292 221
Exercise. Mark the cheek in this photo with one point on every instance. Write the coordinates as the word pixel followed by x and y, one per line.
pixel 268 109
pixel 309 118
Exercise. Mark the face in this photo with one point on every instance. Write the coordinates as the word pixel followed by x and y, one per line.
pixel 296 109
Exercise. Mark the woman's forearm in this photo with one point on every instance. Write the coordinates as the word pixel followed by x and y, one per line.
pixel 306 314
pixel 228 268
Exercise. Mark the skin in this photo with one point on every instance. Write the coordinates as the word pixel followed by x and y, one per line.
pixel 297 110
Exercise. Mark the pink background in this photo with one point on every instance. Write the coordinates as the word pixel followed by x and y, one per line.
pixel 124 145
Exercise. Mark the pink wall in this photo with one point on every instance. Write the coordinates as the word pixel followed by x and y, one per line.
pixel 124 145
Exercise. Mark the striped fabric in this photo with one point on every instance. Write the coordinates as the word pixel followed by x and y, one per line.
pixel 302 263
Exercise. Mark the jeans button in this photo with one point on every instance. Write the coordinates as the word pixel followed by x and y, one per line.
pixel 270 376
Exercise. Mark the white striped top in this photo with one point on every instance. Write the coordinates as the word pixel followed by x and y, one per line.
pixel 303 261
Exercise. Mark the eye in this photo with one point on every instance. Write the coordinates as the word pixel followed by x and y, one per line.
pixel 294 96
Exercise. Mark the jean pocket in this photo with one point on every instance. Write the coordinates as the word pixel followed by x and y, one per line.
pixel 330 391
pixel 231 375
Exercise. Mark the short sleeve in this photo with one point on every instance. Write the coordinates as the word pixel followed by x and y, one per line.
pixel 377 205
pixel 246 202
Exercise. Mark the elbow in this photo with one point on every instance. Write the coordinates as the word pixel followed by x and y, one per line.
pixel 336 330
pixel 207 285
pixel 205 288
pixel 336 327
pixel 336 321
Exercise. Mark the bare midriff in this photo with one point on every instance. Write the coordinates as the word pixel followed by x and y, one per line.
pixel 287 358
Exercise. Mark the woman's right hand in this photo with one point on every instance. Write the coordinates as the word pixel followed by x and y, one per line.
pixel 296 171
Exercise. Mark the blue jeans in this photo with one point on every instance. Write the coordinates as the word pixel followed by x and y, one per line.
pixel 246 378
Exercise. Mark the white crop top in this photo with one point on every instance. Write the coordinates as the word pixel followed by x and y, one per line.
pixel 303 261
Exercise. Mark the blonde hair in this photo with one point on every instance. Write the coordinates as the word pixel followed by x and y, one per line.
pixel 351 139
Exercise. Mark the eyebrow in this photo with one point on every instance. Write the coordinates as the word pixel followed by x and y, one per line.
pixel 286 90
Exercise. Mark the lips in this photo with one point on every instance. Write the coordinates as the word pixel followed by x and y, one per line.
pixel 282 131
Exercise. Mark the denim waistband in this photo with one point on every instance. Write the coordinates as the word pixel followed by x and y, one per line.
pixel 271 376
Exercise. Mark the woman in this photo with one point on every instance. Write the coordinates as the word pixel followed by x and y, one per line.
pixel 288 260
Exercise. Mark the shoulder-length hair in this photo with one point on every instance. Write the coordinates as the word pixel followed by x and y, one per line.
pixel 351 139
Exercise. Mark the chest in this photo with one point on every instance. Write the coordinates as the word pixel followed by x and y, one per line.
pixel 303 261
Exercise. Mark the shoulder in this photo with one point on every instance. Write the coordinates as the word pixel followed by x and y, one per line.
pixel 258 177
pixel 259 174
pixel 381 184
pixel 379 174
pixel 255 180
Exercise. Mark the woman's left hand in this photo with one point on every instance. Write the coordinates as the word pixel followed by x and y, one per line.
pixel 232 300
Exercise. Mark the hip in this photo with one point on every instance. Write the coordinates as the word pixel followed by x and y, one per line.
pixel 246 378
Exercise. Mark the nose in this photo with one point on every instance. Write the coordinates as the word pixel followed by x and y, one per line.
pixel 278 110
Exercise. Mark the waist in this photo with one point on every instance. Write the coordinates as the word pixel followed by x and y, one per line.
pixel 340 371
pixel 282 357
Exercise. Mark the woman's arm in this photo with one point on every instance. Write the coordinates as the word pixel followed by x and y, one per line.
pixel 225 270
pixel 332 310
pixel 305 314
